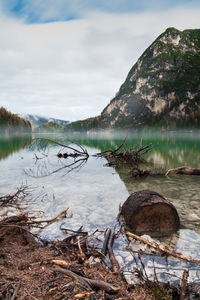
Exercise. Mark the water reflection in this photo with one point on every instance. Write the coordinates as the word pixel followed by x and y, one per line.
pixel 10 144
pixel 94 192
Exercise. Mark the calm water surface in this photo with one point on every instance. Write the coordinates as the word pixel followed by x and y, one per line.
pixel 94 191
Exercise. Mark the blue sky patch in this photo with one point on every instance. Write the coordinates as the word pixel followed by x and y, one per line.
pixel 37 11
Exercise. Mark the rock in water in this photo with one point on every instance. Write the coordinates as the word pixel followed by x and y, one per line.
pixel 149 212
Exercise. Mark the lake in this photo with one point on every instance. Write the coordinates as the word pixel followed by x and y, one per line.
pixel 93 191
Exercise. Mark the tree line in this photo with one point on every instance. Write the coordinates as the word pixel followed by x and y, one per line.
pixel 12 123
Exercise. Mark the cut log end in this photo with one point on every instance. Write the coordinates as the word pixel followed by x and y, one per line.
pixel 148 212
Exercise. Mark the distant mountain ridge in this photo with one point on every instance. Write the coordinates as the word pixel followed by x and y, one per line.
pixel 161 89
pixel 36 120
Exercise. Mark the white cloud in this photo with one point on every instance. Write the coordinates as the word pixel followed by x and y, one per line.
pixel 71 70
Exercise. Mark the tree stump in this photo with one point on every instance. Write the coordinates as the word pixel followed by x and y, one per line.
pixel 148 212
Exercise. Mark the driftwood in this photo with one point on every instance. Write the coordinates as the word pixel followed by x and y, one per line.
pixel 49 220
pixel 163 248
pixel 148 212
pixel 184 171
pixel 89 283
pixel 126 156
pixel 184 284
pixel 81 152
pixel 77 152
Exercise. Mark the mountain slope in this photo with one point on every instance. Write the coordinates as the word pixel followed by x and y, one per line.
pixel 163 86
pixel 38 120
pixel 10 123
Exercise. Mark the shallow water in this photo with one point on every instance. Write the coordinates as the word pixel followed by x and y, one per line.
pixel 93 192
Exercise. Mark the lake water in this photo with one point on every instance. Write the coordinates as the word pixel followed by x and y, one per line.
pixel 94 191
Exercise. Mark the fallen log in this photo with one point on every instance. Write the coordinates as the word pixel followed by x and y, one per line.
pixel 184 171
pixel 163 248
pixel 149 212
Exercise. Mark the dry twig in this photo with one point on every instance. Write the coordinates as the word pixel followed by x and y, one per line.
pixel 184 284
pixel 49 220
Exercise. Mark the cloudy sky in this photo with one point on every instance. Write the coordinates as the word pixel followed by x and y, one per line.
pixel 67 58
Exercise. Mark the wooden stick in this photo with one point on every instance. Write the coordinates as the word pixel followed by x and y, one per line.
pixel 90 283
pixel 82 295
pixel 163 248
pixel 60 262
pixel 114 262
pixel 184 284
pixel 82 254
pixel 49 220
pixel 105 244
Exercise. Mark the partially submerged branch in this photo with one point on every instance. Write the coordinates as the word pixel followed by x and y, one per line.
pixel 76 152
pixel 126 156
pixel 163 248
pixel 184 171
pixel 62 213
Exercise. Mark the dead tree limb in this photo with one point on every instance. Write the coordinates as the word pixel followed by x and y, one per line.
pixel 163 248
pixel 127 156
pixel 184 171
pixel 83 151
pixel 89 283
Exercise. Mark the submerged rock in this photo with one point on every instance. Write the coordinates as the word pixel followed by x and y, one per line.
pixel 148 212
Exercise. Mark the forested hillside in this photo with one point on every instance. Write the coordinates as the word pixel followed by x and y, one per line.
pixel 10 123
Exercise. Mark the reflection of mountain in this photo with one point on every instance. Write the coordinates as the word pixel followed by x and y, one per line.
pixel 9 145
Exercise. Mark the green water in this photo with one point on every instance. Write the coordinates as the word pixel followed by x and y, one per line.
pixel 94 191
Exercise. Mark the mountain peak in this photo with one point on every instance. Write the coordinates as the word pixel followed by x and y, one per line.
pixel 162 86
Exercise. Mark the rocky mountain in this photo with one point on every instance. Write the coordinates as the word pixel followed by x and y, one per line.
pixel 163 87
pixel 36 120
